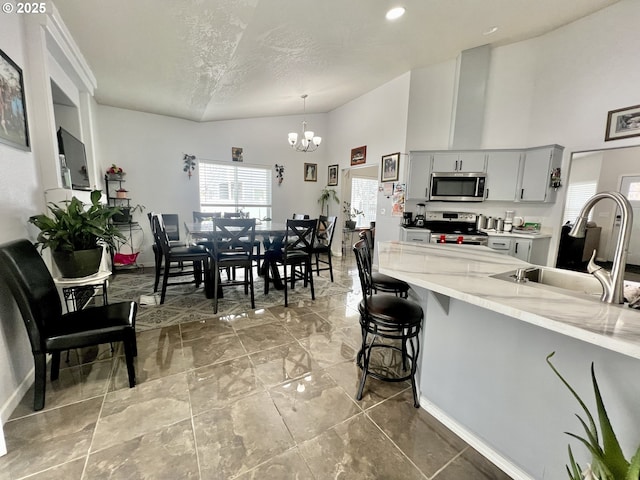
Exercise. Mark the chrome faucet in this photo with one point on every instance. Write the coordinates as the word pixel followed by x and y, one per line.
pixel 612 283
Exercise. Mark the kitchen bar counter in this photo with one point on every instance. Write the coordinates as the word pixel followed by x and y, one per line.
pixel 463 272
pixel 482 370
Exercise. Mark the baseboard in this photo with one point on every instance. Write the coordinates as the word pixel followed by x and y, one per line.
pixel 14 399
pixel 500 461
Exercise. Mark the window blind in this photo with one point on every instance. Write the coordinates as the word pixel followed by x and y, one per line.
pixel 364 197
pixel 225 187
pixel 577 196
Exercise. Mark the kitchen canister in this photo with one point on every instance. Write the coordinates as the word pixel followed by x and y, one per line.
pixel 491 223
pixel 500 225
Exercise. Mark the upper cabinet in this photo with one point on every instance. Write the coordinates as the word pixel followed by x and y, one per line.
pixel 503 167
pixel 517 175
pixel 467 161
pixel 538 165
pixel 418 177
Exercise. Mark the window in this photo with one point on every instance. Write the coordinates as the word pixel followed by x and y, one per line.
pixel 577 196
pixel 233 188
pixel 364 197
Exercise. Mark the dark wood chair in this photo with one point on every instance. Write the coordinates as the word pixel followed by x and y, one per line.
pixel 233 248
pixel 295 255
pixel 300 216
pixel 387 322
pixel 380 281
pixel 322 246
pixel 197 255
pixel 51 331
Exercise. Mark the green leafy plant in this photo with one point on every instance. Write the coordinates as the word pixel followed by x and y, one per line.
pixel 326 196
pixel 76 226
pixel 608 462
pixel 350 212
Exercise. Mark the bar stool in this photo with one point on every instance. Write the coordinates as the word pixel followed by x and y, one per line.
pixel 387 323
pixel 380 281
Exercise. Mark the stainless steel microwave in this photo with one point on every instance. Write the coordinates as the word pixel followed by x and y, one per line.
pixel 457 186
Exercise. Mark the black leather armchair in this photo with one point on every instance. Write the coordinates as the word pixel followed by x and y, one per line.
pixel 51 331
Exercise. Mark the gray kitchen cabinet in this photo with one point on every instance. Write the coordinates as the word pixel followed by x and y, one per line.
pixel 535 178
pixel 532 250
pixel 418 176
pixel 419 235
pixel 503 168
pixel 466 161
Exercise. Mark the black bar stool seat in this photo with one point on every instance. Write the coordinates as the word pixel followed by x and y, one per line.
pixel 388 323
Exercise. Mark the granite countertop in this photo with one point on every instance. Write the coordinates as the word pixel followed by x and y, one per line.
pixel 515 234
pixel 464 272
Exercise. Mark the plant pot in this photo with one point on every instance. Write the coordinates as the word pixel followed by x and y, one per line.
pixel 114 176
pixel 350 224
pixel 124 217
pixel 121 194
pixel 80 263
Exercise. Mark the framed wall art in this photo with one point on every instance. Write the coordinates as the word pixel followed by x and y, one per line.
pixel 359 155
pixel 310 172
pixel 332 177
pixel 390 167
pixel 236 154
pixel 14 129
pixel 623 123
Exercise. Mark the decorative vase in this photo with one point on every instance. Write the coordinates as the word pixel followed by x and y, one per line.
pixel 77 264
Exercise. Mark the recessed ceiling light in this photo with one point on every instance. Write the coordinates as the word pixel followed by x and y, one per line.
pixel 490 31
pixel 395 13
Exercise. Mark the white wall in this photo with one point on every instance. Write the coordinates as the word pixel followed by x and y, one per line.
pixel 378 120
pixel 150 149
pixel 20 197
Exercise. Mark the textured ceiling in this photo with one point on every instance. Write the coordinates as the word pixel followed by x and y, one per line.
pixel 227 59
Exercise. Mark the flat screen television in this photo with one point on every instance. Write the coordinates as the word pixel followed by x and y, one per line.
pixel 76 159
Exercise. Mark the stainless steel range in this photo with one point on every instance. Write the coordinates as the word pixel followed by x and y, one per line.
pixel 454 227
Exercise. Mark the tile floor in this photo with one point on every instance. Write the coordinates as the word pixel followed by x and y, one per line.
pixel 263 394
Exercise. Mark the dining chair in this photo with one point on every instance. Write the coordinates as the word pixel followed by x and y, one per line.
pixel 300 216
pixel 295 255
pixel 231 215
pixel 233 241
pixel 322 246
pixel 380 281
pixel 50 331
pixel 173 235
pixel 198 255
pixel 387 323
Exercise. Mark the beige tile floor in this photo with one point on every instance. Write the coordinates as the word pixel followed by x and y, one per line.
pixel 263 394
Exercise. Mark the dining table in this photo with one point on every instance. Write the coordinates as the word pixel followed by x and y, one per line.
pixel 272 234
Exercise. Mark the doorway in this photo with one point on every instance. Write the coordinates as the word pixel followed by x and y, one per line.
pixel 630 188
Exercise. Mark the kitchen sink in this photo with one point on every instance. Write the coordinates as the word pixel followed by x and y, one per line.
pixel 563 281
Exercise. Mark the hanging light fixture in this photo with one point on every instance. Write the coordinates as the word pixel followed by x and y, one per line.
pixel 309 142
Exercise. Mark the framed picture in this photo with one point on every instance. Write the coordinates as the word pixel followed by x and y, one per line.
pixel 390 164
pixel 333 176
pixel 14 130
pixel 236 154
pixel 358 155
pixel 623 123
pixel 310 172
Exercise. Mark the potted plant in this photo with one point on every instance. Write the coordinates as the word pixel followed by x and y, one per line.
pixel 607 460
pixel 326 195
pixel 350 214
pixel 76 234
pixel 115 173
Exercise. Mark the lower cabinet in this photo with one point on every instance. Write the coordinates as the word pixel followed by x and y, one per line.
pixel 415 235
pixel 532 250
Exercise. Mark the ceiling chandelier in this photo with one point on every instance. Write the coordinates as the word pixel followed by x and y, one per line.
pixel 308 141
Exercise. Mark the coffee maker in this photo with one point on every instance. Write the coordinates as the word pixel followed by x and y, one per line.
pixel 420 216
pixel 407 219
